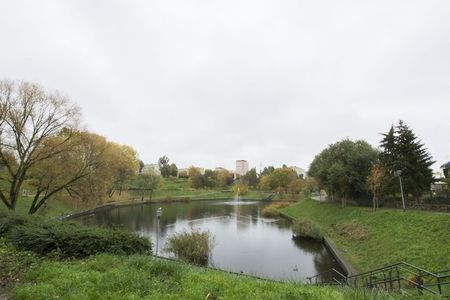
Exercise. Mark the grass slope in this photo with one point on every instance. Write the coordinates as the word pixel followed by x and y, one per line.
pixel 418 237
pixel 139 277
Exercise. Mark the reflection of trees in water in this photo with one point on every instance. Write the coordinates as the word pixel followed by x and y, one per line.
pixel 323 260
pixel 142 217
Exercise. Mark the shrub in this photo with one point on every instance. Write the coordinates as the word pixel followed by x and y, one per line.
pixel 306 228
pixel 270 211
pixel 44 236
pixel 242 188
pixel 193 247
pixel 352 230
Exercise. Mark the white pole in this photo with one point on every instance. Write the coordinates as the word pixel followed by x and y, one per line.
pixel 401 189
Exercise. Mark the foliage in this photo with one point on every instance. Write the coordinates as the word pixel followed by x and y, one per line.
pixel 307 229
pixel 224 178
pixel 44 236
pixel 30 119
pixel 240 188
pixel 13 263
pixel 266 171
pixel 401 150
pixel 196 178
pixel 210 178
pixel 122 161
pixel 147 182
pixel 173 169
pixel 193 246
pixel 250 178
pixel 310 186
pixel 343 168
pixel 376 181
pixel 270 211
pixel 164 167
pixel 279 179
pixel 417 237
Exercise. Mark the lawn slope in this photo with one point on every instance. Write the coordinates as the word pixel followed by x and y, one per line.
pixel 421 238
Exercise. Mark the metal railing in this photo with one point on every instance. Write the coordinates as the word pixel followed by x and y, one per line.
pixel 401 276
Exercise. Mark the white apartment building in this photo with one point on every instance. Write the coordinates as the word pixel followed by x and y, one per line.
pixel 298 170
pixel 241 167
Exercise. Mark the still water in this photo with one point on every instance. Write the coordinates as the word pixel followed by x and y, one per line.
pixel 244 240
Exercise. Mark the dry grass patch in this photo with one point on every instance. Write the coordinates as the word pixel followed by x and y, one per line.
pixel 352 230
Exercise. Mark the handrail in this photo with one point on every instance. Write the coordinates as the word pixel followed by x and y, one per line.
pixel 326 272
pixel 383 278
pixel 390 267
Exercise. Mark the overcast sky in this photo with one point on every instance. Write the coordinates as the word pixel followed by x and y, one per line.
pixel 208 82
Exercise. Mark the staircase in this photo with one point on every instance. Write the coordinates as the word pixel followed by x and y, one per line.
pixel 397 277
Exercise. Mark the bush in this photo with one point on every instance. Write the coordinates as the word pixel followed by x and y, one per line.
pixel 307 228
pixel 241 188
pixel 193 247
pixel 44 236
pixel 270 211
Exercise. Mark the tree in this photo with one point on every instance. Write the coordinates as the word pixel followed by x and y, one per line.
pixel 164 167
pixel 123 161
pixel 250 178
pixel 31 122
pixel 72 170
pixel 343 168
pixel 147 182
pixel 377 181
pixel 401 150
pixel 141 166
pixel 266 171
pixel 278 179
pixel 224 178
pixel 310 185
pixel 196 179
pixel 173 170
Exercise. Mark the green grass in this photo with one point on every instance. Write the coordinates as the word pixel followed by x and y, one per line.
pixel 418 237
pixel 54 207
pixel 176 188
pixel 141 277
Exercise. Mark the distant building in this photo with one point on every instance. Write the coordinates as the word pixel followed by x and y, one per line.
pixel 241 167
pixel 151 168
pixel 445 168
pixel 220 169
pixel 300 172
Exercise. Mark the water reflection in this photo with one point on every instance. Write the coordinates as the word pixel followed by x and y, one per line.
pixel 245 241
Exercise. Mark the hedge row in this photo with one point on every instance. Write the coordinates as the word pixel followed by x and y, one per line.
pixel 67 239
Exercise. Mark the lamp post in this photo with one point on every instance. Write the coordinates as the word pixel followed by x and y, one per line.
pixel 398 173
pixel 158 216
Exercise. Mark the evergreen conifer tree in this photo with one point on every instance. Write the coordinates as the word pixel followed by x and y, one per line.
pixel 401 150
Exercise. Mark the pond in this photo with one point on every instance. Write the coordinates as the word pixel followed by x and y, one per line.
pixel 245 242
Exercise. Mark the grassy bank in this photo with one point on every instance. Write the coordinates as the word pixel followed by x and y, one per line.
pixel 54 207
pixel 372 239
pixel 141 277
pixel 177 188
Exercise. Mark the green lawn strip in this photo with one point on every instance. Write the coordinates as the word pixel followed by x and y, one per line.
pixel 421 238
pixel 53 207
pixel 140 277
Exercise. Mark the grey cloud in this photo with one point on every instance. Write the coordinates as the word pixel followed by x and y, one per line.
pixel 210 82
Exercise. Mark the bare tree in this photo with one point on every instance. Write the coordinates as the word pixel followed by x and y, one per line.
pixel 29 117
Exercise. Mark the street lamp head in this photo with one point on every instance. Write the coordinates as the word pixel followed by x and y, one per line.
pixel 398 173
